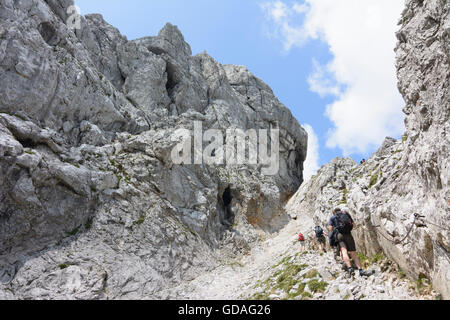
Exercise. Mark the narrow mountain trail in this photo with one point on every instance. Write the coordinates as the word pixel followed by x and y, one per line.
pixel 277 270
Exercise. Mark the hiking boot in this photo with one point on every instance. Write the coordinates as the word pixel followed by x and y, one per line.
pixel 363 273
pixel 351 270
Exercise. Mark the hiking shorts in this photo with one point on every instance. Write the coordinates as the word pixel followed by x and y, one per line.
pixel 321 239
pixel 302 244
pixel 346 241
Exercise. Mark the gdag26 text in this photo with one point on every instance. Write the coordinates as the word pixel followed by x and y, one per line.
pixel 226 310
pixel 252 309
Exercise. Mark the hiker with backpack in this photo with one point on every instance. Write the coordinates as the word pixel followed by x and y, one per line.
pixel 320 238
pixel 341 224
pixel 302 240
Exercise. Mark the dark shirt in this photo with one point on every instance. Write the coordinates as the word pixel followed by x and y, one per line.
pixel 333 221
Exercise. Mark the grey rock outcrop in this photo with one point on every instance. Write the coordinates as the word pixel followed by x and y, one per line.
pixel 92 205
pixel 403 177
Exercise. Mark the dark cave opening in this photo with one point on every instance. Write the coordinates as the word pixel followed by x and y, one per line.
pixel 28 143
pixel 48 33
pixel 228 215
pixel 226 197
pixel 172 80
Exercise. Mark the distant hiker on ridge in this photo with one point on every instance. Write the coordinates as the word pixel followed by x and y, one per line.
pixel 342 224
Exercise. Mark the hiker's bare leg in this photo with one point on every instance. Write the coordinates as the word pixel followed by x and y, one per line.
pixel 345 257
pixel 355 259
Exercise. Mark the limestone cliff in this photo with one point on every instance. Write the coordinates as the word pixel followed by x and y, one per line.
pixel 404 177
pixel 92 204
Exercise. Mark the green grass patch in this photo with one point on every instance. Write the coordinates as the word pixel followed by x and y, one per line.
pixel 283 279
pixel 300 291
pixel 374 179
pixel 307 295
pixel 317 286
pixel 312 274
pixel 344 197
pixel 260 296
pixel 378 257
pixel 423 285
pixel 368 261
pixel 285 260
pixel 73 232
pixel 141 220
pixel 286 279
pixel 236 263
pixel 88 224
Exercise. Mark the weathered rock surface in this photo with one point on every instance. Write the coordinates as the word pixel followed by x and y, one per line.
pixel 92 205
pixel 277 270
pixel 403 177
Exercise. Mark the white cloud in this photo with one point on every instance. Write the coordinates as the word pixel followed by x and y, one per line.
pixel 322 82
pixel 277 10
pixel 281 17
pixel 300 8
pixel 311 165
pixel 361 75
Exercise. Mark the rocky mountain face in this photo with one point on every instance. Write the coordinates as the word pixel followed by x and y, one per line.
pixel 404 177
pixel 93 205
pixel 277 270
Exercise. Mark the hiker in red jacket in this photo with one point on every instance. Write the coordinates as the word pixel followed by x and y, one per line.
pixel 302 240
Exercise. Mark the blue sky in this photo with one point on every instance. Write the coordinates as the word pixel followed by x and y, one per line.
pixel 284 43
